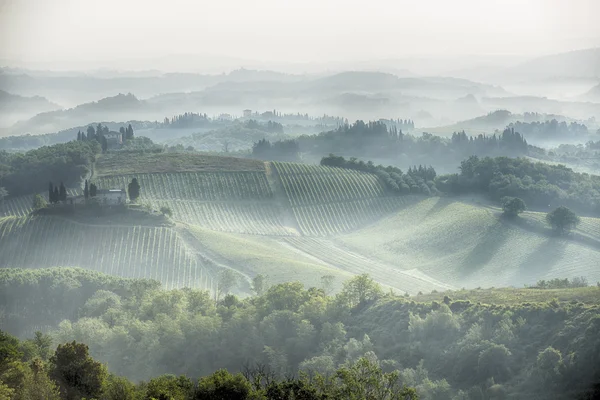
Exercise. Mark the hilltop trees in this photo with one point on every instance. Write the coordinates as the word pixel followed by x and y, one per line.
pixel 512 206
pixel 562 219
pixel 133 189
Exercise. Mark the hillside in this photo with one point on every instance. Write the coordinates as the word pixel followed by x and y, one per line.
pixel 467 244
pixel 287 220
pixel 153 252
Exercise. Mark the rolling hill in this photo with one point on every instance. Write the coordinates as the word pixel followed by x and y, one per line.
pixel 295 222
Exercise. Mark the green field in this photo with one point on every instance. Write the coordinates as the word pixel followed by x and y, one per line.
pixel 468 245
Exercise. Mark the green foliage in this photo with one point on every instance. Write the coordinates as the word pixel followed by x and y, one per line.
pixel 133 189
pixel 169 387
pixel 512 206
pixel 39 202
pixel 227 280
pixel 359 290
pixel 558 283
pixel 443 349
pixel 222 385
pixel 27 173
pixel 562 219
pixel 537 184
pixel 259 284
pixel 77 374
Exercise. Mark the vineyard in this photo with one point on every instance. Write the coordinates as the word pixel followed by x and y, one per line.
pixel 327 200
pixel 23 205
pixel 240 202
pixel 133 252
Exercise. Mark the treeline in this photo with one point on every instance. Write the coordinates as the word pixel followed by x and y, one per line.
pixel 281 150
pixel 540 185
pixel 30 172
pixel 29 372
pixel 416 180
pixel 452 349
pixel 378 140
pixel 186 120
pixel 270 126
pixel 550 129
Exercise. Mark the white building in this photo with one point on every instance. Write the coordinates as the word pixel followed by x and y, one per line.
pixel 111 196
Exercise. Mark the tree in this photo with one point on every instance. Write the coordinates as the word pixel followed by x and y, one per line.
pixel 512 206
pixel 86 190
pixel 91 133
pixel 129 132
pixel 166 211
pixel 77 374
pixel 93 190
pixel 39 202
pixel 327 284
pixel 56 195
pixel 133 189
pixel 259 284
pixel 51 193
pixel 562 219
pixel 227 280
pixel 222 385
pixel 360 289
pixel 62 192
pixel 169 387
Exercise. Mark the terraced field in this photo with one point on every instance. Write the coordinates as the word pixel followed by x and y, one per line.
pixel 466 245
pixel 135 251
pixel 328 201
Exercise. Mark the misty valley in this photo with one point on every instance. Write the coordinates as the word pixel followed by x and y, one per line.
pixel 390 229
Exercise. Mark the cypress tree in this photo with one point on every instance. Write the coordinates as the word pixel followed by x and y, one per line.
pixel 56 195
pixel 62 192
pixel 86 190
pixel 50 193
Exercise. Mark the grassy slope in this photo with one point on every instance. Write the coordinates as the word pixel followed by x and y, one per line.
pixel 467 245
pixel 263 255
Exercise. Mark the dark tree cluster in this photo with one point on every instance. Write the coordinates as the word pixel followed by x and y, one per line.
pixel 30 172
pixel 99 133
pixel 270 126
pixel 186 120
pixel 283 150
pixel 539 185
pixel 416 180
pixel 384 140
pixel 550 129
pixel 56 194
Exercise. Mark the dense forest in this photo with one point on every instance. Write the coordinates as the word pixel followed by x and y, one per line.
pixel 452 349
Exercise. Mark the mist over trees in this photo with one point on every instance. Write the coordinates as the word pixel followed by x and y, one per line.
pixel 450 349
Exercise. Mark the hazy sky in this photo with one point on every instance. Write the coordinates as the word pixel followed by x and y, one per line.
pixel 79 31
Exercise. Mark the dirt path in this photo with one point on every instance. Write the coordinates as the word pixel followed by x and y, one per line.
pixel 206 256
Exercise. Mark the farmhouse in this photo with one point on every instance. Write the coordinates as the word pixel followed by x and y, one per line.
pixel 111 196
pixel 114 139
